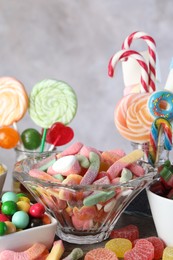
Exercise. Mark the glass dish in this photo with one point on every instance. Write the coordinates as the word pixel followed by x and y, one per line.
pixel 79 223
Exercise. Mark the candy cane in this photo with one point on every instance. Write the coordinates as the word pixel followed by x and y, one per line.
pixel 152 53
pixel 160 126
pixel 123 55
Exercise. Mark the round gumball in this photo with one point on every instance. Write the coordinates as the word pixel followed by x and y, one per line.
pixel 9 196
pixel 9 208
pixel 37 210
pixel 31 139
pixel 9 137
pixel 3 217
pixel 3 228
pixel 11 228
pixel 20 219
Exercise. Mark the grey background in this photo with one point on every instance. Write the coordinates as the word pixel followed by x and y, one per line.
pixel 73 40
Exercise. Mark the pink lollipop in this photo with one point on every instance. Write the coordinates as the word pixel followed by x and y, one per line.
pixel 123 55
pixel 151 50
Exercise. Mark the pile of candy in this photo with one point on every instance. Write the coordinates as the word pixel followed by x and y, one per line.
pixel 94 186
pixel 17 213
pixel 124 243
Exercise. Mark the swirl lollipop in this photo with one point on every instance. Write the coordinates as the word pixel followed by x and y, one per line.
pixel 13 100
pixel 52 101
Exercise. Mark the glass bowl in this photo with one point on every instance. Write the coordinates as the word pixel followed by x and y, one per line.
pixel 83 221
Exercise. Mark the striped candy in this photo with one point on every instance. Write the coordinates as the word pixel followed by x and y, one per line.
pixel 123 55
pixel 151 50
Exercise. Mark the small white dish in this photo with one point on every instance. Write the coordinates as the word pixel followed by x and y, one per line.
pixel 162 212
pixel 22 240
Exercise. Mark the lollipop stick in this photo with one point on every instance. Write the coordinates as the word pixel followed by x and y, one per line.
pixel 43 140
pixel 54 144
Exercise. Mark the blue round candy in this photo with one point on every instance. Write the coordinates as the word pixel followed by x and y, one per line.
pixel 9 196
pixel 20 219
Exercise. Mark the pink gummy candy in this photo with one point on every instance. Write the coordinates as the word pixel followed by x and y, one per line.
pixel 71 150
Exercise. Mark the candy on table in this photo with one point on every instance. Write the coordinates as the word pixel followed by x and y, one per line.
pixel 52 101
pixel 119 246
pixel 100 254
pixel 75 254
pixel 158 246
pixel 36 251
pixel 130 232
pixel 143 249
pixel 56 251
pixel 168 253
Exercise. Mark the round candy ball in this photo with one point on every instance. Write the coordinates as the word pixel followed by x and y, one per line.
pixel 37 210
pixel 3 228
pixel 20 219
pixel 9 195
pixel 9 207
pixel 31 138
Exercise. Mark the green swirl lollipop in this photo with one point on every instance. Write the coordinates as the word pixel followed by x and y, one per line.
pixel 52 101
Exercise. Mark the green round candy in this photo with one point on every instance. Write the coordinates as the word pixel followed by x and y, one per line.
pixel 9 207
pixel 3 228
pixel 9 196
pixel 20 219
pixel 31 138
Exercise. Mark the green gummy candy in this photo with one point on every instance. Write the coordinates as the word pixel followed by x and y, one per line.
pixel 100 196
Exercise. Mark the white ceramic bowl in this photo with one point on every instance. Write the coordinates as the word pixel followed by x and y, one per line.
pixel 162 212
pixel 2 178
pixel 22 240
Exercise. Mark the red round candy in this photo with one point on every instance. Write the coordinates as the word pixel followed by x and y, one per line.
pixel 37 210
pixel 3 218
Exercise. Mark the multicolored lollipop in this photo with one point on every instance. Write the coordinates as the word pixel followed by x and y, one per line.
pixel 52 101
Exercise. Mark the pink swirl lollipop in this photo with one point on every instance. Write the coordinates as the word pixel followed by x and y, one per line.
pixel 151 50
pixel 123 55
pixel 13 100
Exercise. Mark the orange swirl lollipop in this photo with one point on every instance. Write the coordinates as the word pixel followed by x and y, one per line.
pixel 13 100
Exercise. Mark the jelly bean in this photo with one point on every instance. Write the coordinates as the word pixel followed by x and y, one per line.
pixel 3 217
pixel 37 210
pixel 9 137
pixel 130 232
pixel 11 228
pixel 9 196
pixel 3 228
pixel 9 207
pixel 20 219
pixel 21 195
pixel 23 205
pixel 31 138
pixel 119 246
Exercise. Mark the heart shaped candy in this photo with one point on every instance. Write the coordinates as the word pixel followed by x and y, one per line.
pixel 59 134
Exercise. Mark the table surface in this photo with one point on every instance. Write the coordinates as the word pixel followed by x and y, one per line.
pixel 144 223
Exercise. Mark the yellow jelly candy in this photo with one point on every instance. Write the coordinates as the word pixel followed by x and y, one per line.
pixel 119 246
pixel 168 253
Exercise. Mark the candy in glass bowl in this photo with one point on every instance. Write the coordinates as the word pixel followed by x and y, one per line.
pixel 85 189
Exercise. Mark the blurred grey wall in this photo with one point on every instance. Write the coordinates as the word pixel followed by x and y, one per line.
pixel 73 40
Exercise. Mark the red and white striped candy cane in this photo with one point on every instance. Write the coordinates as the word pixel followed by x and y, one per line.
pixel 123 55
pixel 152 53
